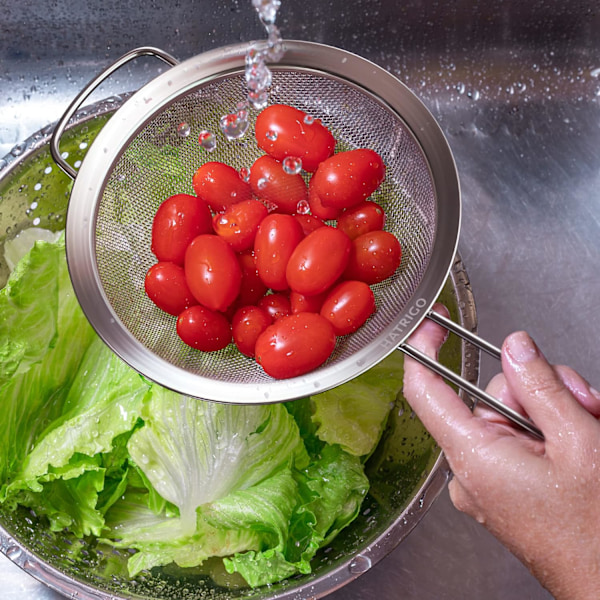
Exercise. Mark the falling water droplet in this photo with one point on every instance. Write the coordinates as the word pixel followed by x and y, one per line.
pixel 292 165
pixel 267 9
pixel 233 125
pixel 207 140
pixel 183 130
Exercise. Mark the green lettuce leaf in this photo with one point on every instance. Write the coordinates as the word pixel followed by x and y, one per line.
pixel 354 414
pixel 43 337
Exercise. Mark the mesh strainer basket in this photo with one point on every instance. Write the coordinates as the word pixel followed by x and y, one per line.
pixel 140 158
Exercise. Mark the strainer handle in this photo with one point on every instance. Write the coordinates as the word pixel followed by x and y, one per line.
pixel 462 383
pixel 89 88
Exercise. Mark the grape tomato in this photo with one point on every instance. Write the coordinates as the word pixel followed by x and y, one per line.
pixel 277 237
pixel 247 324
pixel 178 220
pixel 270 182
pixel 239 223
pixel 347 178
pixel 220 185
pixel 318 261
pixel 284 131
pixel 203 329
pixel 374 257
pixel 166 286
pixel 362 218
pixel 212 272
pixel 348 305
pixel 295 345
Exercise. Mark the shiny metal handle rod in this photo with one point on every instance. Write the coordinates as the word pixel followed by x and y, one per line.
pixel 471 389
pixel 465 334
pixel 88 89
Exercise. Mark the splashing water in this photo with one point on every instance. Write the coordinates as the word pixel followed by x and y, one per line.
pixel 258 75
pixel 292 165
pixel 207 140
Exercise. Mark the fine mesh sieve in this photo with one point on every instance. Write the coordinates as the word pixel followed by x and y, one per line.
pixel 140 158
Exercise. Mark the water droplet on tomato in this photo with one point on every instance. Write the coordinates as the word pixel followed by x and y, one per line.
pixel 245 174
pixel 292 165
pixel 303 207
pixel 309 119
pixel 271 135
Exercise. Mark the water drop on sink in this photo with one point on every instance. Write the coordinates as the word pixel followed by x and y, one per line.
pixel 360 564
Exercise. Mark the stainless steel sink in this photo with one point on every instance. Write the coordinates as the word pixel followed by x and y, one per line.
pixel 516 88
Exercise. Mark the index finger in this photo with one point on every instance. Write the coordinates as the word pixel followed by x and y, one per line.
pixel 437 405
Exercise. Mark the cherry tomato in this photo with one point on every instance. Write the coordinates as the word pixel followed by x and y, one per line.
pixel 295 345
pixel 178 220
pixel 203 329
pixel 220 185
pixel 348 178
pixel 302 303
pixel 247 324
pixel 239 223
pixel 348 305
pixel 212 272
pixel 362 218
pixel 326 213
pixel 270 182
pixel 276 305
pixel 166 286
pixel 286 131
pixel 318 261
pixel 252 289
pixel 277 237
pixel 374 257
pixel 309 223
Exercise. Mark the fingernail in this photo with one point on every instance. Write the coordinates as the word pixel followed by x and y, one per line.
pixel 521 347
pixel 595 393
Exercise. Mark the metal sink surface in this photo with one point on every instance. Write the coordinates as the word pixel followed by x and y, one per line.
pixel 516 88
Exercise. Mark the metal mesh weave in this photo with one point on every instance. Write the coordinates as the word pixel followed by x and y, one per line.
pixel 159 162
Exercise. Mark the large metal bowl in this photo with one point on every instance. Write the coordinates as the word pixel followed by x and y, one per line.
pixel 407 471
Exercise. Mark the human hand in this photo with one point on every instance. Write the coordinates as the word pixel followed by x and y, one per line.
pixel 539 498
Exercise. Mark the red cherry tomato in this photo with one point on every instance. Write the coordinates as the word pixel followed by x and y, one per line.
pixel 239 223
pixel 277 237
pixel 166 286
pixel 362 218
pixel 203 329
pixel 374 257
pixel 295 345
pixel 220 185
pixel 276 305
pixel 348 178
pixel 302 303
pixel 270 182
pixel 247 324
pixel 252 289
pixel 326 213
pixel 212 272
pixel 308 223
pixel 286 131
pixel 178 220
pixel 348 305
pixel 318 261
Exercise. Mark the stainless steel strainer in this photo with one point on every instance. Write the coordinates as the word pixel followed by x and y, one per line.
pixel 140 158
